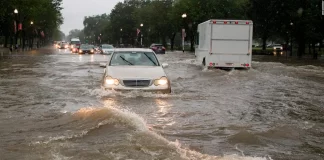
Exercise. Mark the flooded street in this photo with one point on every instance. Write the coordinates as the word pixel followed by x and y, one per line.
pixel 52 107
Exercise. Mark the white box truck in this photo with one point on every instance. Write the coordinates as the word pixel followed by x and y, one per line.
pixel 225 43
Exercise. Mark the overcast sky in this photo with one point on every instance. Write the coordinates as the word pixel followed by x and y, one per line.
pixel 74 11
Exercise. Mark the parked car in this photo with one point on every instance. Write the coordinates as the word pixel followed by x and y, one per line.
pixel 158 48
pixel 107 49
pixel 85 48
pixel 130 69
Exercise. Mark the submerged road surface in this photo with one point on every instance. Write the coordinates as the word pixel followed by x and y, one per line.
pixel 52 107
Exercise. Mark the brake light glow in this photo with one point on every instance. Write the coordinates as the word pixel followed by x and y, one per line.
pixel 247 65
pixel 210 64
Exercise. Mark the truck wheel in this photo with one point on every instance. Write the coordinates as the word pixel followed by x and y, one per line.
pixel 204 62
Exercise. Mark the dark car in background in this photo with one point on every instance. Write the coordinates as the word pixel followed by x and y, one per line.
pixel 86 48
pixel 158 48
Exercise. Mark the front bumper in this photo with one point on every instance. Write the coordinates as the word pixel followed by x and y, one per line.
pixel 83 52
pixel 166 89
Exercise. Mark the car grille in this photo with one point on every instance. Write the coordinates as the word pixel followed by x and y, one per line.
pixel 136 83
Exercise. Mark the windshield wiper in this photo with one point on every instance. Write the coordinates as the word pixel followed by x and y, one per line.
pixel 126 61
pixel 150 59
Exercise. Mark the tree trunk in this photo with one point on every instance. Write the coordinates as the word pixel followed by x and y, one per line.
pixel 172 41
pixel 301 48
pixel 163 41
pixel 6 42
pixel 287 44
pixel 309 48
pixel 321 45
pixel 192 41
pixel 314 51
pixel 264 43
pixel 24 41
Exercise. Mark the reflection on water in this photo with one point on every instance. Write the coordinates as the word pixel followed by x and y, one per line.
pixel 80 58
pixel 110 102
pixel 92 58
pixel 164 110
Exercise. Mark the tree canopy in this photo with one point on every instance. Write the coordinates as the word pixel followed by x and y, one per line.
pixel 39 15
pixel 299 21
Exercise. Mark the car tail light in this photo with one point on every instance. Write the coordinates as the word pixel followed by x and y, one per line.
pixel 163 48
pixel 247 65
pixel 247 22
pixel 154 48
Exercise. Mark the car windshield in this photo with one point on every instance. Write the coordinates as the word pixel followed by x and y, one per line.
pixel 134 58
pixel 157 45
pixel 75 42
pixel 107 47
pixel 85 47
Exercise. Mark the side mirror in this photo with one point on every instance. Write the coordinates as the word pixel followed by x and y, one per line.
pixel 103 65
pixel 165 65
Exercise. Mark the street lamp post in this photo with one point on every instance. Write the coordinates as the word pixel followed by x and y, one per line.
pixel 183 30
pixel 141 35
pixel 291 40
pixel 100 38
pixel 16 27
pixel 121 36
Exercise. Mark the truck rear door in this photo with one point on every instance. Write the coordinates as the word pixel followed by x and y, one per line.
pixel 231 43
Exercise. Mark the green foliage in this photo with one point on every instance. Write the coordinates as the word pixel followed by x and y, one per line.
pixel 46 15
pixel 162 20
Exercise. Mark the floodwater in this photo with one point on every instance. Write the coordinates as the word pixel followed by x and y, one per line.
pixel 52 107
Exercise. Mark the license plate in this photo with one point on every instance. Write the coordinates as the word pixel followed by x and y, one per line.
pixel 229 64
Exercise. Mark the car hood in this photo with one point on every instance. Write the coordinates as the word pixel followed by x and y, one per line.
pixel 137 72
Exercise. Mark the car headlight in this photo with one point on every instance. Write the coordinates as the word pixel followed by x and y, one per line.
pixel 110 81
pixel 80 51
pixel 72 46
pixel 91 50
pixel 161 81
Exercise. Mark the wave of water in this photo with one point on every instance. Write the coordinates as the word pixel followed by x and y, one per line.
pixel 141 136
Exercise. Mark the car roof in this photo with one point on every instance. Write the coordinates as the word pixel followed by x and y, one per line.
pixel 133 50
